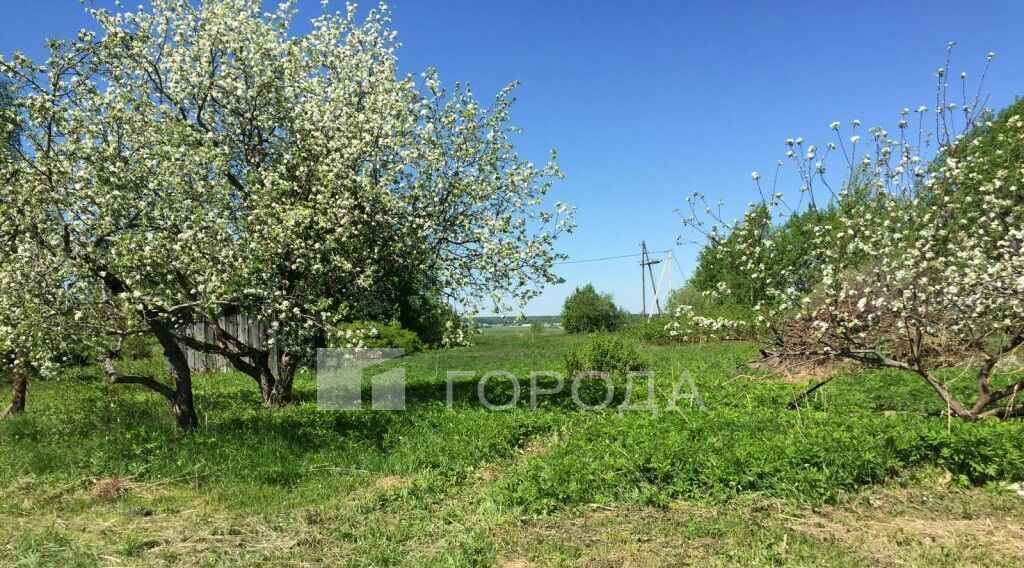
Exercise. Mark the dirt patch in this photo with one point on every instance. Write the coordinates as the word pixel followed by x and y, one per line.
pixel 488 475
pixel 377 488
pixel 535 447
pixel 390 482
pixel 603 537
pixel 515 563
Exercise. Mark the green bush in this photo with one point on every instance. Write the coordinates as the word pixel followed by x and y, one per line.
pixel 606 353
pixel 427 316
pixel 653 331
pixel 706 305
pixel 586 311
pixel 379 336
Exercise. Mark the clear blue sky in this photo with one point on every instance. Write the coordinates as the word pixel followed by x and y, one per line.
pixel 651 101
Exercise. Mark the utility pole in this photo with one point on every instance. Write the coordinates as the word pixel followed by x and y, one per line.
pixel 645 267
pixel 668 267
pixel 643 280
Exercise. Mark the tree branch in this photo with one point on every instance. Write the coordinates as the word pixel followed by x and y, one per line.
pixel 142 380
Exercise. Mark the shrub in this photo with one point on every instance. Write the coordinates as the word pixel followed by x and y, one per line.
pixel 586 311
pixel 428 316
pixel 706 303
pixel 688 325
pixel 378 336
pixel 607 354
pixel 654 331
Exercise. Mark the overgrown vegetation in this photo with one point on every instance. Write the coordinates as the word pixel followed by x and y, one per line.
pixel 605 354
pixel 377 335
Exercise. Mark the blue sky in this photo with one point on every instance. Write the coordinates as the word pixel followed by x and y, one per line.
pixel 647 102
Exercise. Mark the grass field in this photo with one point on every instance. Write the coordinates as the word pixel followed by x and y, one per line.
pixel 867 472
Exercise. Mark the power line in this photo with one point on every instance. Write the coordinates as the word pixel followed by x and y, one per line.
pixel 611 257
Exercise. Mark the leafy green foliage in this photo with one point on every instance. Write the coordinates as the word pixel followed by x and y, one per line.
pixel 993 148
pixel 723 453
pixel 710 305
pixel 719 286
pixel 408 296
pixel 586 311
pixel 607 354
pixel 652 331
pixel 138 347
pixel 384 335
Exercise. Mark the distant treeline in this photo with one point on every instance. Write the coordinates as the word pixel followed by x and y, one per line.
pixel 493 321
pixel 513 321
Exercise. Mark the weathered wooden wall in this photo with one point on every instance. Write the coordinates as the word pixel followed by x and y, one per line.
pixel 239 325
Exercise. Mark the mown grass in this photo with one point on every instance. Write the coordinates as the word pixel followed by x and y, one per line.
pixel 466 486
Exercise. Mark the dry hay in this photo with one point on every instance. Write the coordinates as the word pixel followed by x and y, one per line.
pixel 111 489
pixel 895 527
pixel 801 369
pixel 917 526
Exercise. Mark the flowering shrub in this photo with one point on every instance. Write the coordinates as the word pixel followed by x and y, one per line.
pixel 376 335
pixel 686 325
pixel 921 266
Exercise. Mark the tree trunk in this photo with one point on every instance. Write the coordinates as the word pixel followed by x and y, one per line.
pixel 256 364
pixel 286 377
pixel 184 406
pixel 19 388
pixel 275 391
pixel 180 396
pixel 265 378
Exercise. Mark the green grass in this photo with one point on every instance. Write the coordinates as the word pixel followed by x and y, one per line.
pixel 465 486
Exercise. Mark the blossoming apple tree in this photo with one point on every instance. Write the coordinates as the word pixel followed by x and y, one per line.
pixel 202 160
pixel 918 255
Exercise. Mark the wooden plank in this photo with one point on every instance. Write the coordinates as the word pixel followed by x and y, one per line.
pixel 247 330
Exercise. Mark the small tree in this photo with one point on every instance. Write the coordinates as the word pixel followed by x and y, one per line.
pixel 37 324
pixel 586 311
pixel 40 318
